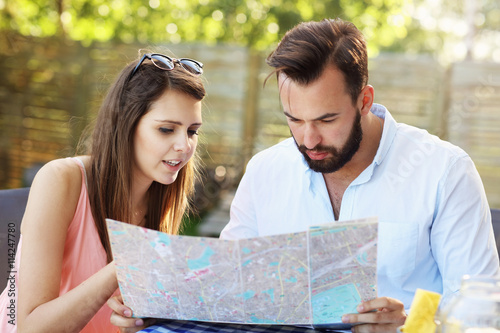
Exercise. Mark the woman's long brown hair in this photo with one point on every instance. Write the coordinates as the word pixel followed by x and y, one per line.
pixel 111 151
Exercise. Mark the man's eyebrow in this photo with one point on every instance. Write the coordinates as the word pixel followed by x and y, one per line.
pixel 289 115
pixel 327 115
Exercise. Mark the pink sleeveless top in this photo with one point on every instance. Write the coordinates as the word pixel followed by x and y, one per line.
pixel 83 256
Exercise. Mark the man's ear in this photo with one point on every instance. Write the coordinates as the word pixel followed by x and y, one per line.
pixel 365 99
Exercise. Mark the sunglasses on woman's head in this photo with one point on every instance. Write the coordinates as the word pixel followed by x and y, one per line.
pixel 166 63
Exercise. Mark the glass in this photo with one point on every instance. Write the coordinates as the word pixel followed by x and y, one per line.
pixel 166 63
pixel 474 309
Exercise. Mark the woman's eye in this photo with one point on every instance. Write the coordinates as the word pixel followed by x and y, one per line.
pixel 192 132
pixel 166 130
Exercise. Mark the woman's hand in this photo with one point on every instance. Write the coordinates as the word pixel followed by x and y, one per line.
pixel 122 317
pixel 383 314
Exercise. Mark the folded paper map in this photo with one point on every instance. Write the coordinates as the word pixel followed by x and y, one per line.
pixel 305 278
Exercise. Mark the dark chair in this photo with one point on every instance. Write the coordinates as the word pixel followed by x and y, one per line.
pixel 495 220
pixel 12 207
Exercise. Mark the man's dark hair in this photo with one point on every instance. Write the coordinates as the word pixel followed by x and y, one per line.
pixel 309 47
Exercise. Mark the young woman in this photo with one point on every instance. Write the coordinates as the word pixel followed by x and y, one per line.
pixel 140 169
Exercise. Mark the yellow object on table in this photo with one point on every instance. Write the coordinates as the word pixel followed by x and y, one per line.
pixel 422 311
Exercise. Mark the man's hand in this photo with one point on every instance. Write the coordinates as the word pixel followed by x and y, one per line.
pixel 383 314
pixel 122 317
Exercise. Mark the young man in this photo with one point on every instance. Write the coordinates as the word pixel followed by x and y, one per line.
pixel 348 158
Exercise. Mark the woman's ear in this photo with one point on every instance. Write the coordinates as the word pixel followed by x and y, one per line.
pixel 365 99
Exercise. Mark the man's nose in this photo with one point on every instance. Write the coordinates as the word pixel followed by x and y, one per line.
pixel 312 136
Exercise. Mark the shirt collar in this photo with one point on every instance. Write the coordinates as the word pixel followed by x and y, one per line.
pixel 388 133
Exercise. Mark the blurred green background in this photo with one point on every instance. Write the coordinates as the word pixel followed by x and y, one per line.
pixel 444 28
pixel 434 64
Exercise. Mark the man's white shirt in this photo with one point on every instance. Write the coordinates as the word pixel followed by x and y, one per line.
pixel 434 218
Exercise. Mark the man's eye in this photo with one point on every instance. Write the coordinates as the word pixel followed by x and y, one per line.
pixel 328 120
pixel 166 130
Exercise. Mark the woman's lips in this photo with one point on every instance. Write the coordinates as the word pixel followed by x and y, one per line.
pixel 173 165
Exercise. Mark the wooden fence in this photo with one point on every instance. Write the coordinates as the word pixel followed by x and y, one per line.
pixel 51 88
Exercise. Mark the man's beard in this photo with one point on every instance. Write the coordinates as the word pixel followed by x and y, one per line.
pixel 339 157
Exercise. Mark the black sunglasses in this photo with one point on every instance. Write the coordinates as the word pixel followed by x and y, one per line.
pixel 166 63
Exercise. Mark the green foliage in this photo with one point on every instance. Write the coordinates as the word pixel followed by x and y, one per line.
pixel 257 24
pixel 393 25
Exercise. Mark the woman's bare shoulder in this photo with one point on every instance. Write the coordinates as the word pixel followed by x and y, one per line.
pixel 55 188
pixel 63 171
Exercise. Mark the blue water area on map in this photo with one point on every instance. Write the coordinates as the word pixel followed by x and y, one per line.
pixel 247 294
pixel 292 279
pixel 164 238
pixel 159 285
pixel 246 250
pixel 201 262
pixel 320 231
pixel 270 292
pixel 363 258
pixel 329 306
pixel 274 263
pixel 118 232
pixel 246 263
pixel 130 280
pixel 334 230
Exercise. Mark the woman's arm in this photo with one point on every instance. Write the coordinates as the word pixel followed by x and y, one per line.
pixel 51 205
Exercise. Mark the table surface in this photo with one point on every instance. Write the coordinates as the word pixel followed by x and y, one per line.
pixel 179 326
